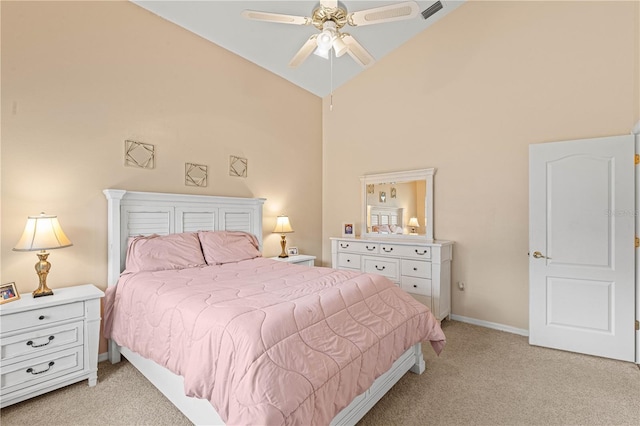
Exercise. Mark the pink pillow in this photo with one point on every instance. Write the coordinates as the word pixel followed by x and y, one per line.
pixel 228 246
pixel 159 252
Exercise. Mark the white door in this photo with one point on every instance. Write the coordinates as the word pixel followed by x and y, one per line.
pixel 582 246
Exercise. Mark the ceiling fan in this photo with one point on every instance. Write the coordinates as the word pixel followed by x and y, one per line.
pixel 329 18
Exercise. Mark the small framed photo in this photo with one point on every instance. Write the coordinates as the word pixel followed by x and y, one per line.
pixel 292 251
pixel 348 229
pixel 8 293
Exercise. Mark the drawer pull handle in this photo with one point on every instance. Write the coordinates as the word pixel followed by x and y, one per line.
pixel 370 248
pixel 30 342
pixel 30 370
pixel 380 269
pixel 344 245
pixel 41 317
pixel 415 269
pixel 415 286
pixel 421 254
pixel 387 250
pixel 348 260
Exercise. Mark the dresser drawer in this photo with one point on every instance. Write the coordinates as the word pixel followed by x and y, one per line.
pixel 42 316
pixel 408 251
pixel 382 266
pixel 358 247
pixel 416 285
pixel 37 370
pixel 36 342
pixel 349 260
pixel 416 268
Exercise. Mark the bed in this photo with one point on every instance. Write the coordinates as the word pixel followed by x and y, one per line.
pixel 288 373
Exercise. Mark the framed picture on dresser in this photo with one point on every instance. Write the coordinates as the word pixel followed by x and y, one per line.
pixel 348 229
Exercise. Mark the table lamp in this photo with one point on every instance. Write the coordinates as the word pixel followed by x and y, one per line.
pixel 42 233
pixel 283 227
pixel 413 223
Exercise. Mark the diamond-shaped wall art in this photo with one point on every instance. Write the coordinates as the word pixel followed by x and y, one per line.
pixel 195 174
pixel 238 166
pixel 138 154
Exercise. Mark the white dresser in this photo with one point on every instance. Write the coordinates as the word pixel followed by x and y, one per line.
pixel 49 342
pixel 420 268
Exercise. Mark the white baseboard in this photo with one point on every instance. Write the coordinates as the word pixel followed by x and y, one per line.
pixel 493 325
pixel 103 356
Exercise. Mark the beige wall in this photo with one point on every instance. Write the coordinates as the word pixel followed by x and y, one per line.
pixel 79 78
pixel 468 96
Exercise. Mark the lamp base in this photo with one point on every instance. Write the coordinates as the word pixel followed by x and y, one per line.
pixel 42 292
pixel 283 244
pixel 42 269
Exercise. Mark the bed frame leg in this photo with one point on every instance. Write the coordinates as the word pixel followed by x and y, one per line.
pixel 114 352
pixel 419 366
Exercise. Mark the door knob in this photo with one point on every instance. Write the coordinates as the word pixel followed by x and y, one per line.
pixel 538 255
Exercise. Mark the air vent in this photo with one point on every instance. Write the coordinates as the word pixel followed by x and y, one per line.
pixel 431 10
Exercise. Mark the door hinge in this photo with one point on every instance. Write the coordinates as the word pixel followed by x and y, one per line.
pixel 637 325
pixel 637 159
pixel 637 242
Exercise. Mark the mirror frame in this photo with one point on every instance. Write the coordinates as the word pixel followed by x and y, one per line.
pixel 410 175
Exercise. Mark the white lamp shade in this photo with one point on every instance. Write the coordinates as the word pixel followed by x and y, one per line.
pixel 282 225
pixel 339 47
pixel 42 233
pixel 413 222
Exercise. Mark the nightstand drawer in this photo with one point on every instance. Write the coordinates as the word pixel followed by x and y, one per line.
pixel 416 268
pixel 37 370
pixel 416 285
pixel 42 316
pixel 349 260
pixel 34 343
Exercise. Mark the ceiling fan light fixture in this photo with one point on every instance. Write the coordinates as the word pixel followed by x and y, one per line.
pixel 339 47
pixel 323 53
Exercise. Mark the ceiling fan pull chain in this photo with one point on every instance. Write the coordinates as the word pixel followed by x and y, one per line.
pixel 331 81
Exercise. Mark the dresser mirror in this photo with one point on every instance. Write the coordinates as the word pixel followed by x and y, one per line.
pixel 398 204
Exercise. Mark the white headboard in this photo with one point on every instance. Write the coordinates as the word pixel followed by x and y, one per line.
pixel 145 213
pixel 379 215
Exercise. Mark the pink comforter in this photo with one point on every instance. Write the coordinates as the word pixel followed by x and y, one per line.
pixel 269 342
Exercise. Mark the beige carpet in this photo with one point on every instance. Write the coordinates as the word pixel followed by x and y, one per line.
pixel 484 377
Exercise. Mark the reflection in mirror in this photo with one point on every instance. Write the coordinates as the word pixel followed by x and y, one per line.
pixel 398 204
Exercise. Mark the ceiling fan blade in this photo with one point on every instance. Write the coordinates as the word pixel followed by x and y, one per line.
pixel 329 4
pixel 357 52
pixel 307 48
pixel 377 15
pixel 275 17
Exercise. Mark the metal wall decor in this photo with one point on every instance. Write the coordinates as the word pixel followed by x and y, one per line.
pixel 383 197
pixel 138 154
pixel 393 193
pixel 195 174
pixel 238 166
pixel 370 189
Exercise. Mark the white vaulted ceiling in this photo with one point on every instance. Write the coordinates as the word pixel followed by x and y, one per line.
pixel 272 45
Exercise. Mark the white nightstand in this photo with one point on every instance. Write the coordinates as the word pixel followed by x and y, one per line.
pixel 298 259
pixel 49 342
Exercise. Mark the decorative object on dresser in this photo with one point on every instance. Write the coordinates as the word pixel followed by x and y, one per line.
pixel 283 227
pixel 420 268
pixel 292 251
pixel 42 233
pixel 48 343
pixel 8 293
pixel 298 259
pixel 348 229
